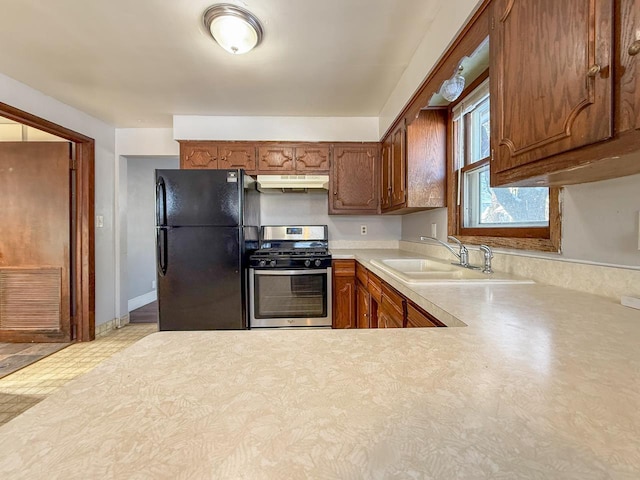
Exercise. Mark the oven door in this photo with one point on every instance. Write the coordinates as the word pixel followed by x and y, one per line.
pixel 289 298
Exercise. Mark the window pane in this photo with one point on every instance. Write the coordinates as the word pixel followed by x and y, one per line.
pixel 479 135
pixel 502 207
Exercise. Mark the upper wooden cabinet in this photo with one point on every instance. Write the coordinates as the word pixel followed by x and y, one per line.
pixel 551 78
pixel 565 91
pixel 198 155
pixel 385 175
pixel 275 159
pixel 237 155
pixel 414 164
pixel 398 176
pixel 289 158
pixel 354 179
pixel 312 158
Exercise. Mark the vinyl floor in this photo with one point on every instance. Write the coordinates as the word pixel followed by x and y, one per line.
pixel 14 356
pixel 30 385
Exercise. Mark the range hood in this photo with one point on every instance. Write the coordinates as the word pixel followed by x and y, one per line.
pixel 292 183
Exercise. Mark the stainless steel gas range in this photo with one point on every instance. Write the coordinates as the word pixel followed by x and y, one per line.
pixel 290 278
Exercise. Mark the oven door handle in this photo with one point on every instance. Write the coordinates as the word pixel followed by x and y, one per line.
pixel 319 271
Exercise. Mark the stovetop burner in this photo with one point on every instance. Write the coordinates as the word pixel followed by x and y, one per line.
pixel 292 247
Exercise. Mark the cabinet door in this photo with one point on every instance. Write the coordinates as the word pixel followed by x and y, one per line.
pixel 198 155
pixel 344 294
pixel 392 307
pixel 551 78
pixel 629 69
pixel 399 166
pixel 362 306
pixel 416 317
pixel 385 176
pixel 354 187
pixel 237 155
pixel 312 159
pixel 276 159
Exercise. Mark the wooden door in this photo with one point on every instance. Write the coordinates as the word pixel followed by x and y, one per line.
pixel 362 306
pixel 629 66
pixel 35 247
pixel 344 294
pixel 276 159
pixel 237 155
pixel 551 78
pixel 399 166
pixel 312 159
pixel 198 155
pixel 385 176
pixel 354 186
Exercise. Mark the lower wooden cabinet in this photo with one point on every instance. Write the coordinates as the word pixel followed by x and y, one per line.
pixel 344 293
pixel 416 317
pixel 392 309
pixel 362 300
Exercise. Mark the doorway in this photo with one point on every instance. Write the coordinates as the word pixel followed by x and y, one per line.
pixel 59 285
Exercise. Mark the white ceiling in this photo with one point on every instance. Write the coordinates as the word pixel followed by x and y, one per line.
pixel 135 63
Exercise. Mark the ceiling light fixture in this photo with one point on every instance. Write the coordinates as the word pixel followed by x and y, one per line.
pixel 453 87
pixel 235 29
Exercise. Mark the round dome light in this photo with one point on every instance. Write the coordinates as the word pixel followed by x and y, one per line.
pixel 233 28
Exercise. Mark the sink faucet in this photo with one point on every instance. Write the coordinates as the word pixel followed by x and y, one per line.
pixel 488 255
pixel 463 255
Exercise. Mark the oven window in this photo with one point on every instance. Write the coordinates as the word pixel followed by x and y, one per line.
pixel 290 296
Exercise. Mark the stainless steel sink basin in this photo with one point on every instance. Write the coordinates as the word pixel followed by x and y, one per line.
pixel 432 271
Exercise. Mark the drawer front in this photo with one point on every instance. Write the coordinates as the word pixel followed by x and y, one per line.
pixel 362 274
pixel 392 298
pixel 344 268
pixel 375 287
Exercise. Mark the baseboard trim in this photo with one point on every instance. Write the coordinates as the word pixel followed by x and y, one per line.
pixel 143 300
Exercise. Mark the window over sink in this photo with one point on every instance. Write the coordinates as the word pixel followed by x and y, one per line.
pixel 517 217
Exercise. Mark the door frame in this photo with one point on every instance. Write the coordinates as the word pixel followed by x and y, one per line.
pixel 84 235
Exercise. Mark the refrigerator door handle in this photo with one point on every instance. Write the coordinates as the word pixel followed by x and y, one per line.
pixel 162 250
pixel 161 202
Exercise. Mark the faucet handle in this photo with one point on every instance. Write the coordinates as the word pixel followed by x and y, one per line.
pixel 487 250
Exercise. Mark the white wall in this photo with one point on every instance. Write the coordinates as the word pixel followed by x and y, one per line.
pixel 312 208
pixel 26 98
pixel 453 15
pixel 304 129
pixel 132 142
pixel 141 258
pixel 599 222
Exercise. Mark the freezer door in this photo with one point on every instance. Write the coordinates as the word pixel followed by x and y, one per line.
pixel 200 279
pixel 199 197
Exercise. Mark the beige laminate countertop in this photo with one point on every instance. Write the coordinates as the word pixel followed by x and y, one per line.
pixel 542 383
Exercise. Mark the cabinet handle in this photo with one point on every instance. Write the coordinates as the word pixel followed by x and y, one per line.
pixel 335 193
pixel 593 71
pixel 634 48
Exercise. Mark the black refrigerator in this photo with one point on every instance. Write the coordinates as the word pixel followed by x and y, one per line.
pixel 206 226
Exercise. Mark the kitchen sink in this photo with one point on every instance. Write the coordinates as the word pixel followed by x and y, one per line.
pixel 432 271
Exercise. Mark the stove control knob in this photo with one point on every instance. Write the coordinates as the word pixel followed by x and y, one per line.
pixel 307 263
pixel 272 263
pixel 263 263
pixel 317 263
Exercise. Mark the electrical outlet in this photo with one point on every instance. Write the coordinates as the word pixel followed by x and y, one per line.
pixel 434 230
pixel 363 229
pixel 153 284
pixel 638 230
pixel 99 221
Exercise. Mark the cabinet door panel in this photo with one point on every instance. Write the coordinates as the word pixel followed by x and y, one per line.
pixel 276 159
pixel 398 167
pixel 629 70
pixel 312 158
pixel 344 294
pixel 198 155
pixel 385 176
pixel 362 306
pixel 543 99
pixel 354 183
pixel 237 155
